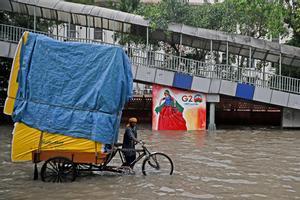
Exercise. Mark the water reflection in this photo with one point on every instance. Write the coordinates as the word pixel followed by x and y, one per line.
pixel 228 164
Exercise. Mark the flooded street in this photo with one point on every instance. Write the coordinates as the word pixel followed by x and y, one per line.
pixel 227 164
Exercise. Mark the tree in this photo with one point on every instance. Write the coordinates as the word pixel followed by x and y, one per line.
pixel 255 18
pixel 293 20
pixel 165 12
pixel 129 6
pixel 25 21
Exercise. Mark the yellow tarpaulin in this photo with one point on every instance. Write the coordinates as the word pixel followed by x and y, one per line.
pixel 27 139
pixel 13 84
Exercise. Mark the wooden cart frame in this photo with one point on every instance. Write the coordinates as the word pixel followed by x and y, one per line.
pixel 66 165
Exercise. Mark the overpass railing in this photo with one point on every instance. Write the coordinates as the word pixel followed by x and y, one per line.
pixel 154 59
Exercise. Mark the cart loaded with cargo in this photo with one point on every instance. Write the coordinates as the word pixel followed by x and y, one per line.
pixel 66 100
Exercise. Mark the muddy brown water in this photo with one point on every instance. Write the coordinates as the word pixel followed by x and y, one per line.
pixel 227 164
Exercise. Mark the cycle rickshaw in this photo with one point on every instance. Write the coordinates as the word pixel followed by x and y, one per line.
pixel 65 166
pixel 59 93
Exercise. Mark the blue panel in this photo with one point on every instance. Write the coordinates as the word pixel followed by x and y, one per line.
pixel 245 91
pixel 183 81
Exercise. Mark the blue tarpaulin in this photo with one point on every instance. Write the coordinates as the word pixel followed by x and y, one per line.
pixel 71 88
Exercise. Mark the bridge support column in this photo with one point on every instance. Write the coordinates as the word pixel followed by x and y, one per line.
pixel 212 124
pixel 290 118
pixel 212 99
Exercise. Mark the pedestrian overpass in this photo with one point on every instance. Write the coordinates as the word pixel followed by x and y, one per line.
pixel 175 71
pixel 170 70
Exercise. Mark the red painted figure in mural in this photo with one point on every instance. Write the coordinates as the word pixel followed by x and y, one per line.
pixel 170 114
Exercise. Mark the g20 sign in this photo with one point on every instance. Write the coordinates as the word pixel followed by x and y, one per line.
pixel 187 110
pixel 197 98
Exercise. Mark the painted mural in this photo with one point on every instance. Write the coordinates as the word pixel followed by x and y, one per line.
pixel 175 109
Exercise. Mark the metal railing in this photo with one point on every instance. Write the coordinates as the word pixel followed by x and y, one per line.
pixel 154 59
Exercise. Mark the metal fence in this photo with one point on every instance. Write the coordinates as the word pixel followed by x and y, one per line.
pixel 149 58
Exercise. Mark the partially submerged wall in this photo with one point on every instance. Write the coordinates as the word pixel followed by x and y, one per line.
pixel 290 118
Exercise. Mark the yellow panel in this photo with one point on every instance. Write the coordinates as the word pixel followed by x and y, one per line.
pixel 13 84
pixel 27 139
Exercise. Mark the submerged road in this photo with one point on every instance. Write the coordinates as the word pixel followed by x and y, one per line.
pixel 227 164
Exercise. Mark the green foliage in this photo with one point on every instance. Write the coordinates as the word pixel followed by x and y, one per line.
pixel 259 18
pixel 256 18
pixel 290 71
pixel 129 6
pixel 4 18
pixel 212 17
pixel 165 12
pixel 293 20
pixel 24 21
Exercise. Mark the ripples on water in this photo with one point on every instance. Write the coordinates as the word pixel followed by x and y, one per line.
pixel 227 164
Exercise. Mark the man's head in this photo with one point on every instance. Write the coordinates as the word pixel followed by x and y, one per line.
pixel 132 121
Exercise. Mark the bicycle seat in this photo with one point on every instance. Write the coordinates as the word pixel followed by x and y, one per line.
pixel 118 144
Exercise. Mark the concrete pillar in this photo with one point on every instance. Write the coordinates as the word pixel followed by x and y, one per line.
pixel 290 118
pixel 227 55
pixel 280 61
pixel 147 39
pixel 264 76
pixel 212 99
pixel 250 58
pixel 212 125
pixel 180 44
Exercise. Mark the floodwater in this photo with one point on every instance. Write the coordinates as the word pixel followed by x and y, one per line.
pixel 227 164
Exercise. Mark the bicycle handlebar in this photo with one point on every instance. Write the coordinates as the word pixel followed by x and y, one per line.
pixel 142 143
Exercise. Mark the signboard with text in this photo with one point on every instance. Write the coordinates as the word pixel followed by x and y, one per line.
pixel 175 109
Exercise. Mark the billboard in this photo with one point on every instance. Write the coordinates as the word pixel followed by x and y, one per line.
pixel 175 109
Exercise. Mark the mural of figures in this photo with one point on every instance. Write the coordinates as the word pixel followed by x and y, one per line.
pixel 170 113
pixel 175 109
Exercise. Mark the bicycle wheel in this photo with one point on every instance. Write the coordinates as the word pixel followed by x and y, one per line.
pixel 158 163
pixel 58 169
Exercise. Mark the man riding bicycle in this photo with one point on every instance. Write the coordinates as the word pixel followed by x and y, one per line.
pixel 129 142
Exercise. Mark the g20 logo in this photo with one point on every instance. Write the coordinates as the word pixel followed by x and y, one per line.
pixel 187 98
pixel 197 98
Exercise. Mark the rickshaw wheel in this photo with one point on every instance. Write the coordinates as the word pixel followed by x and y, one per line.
pixel 58 170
